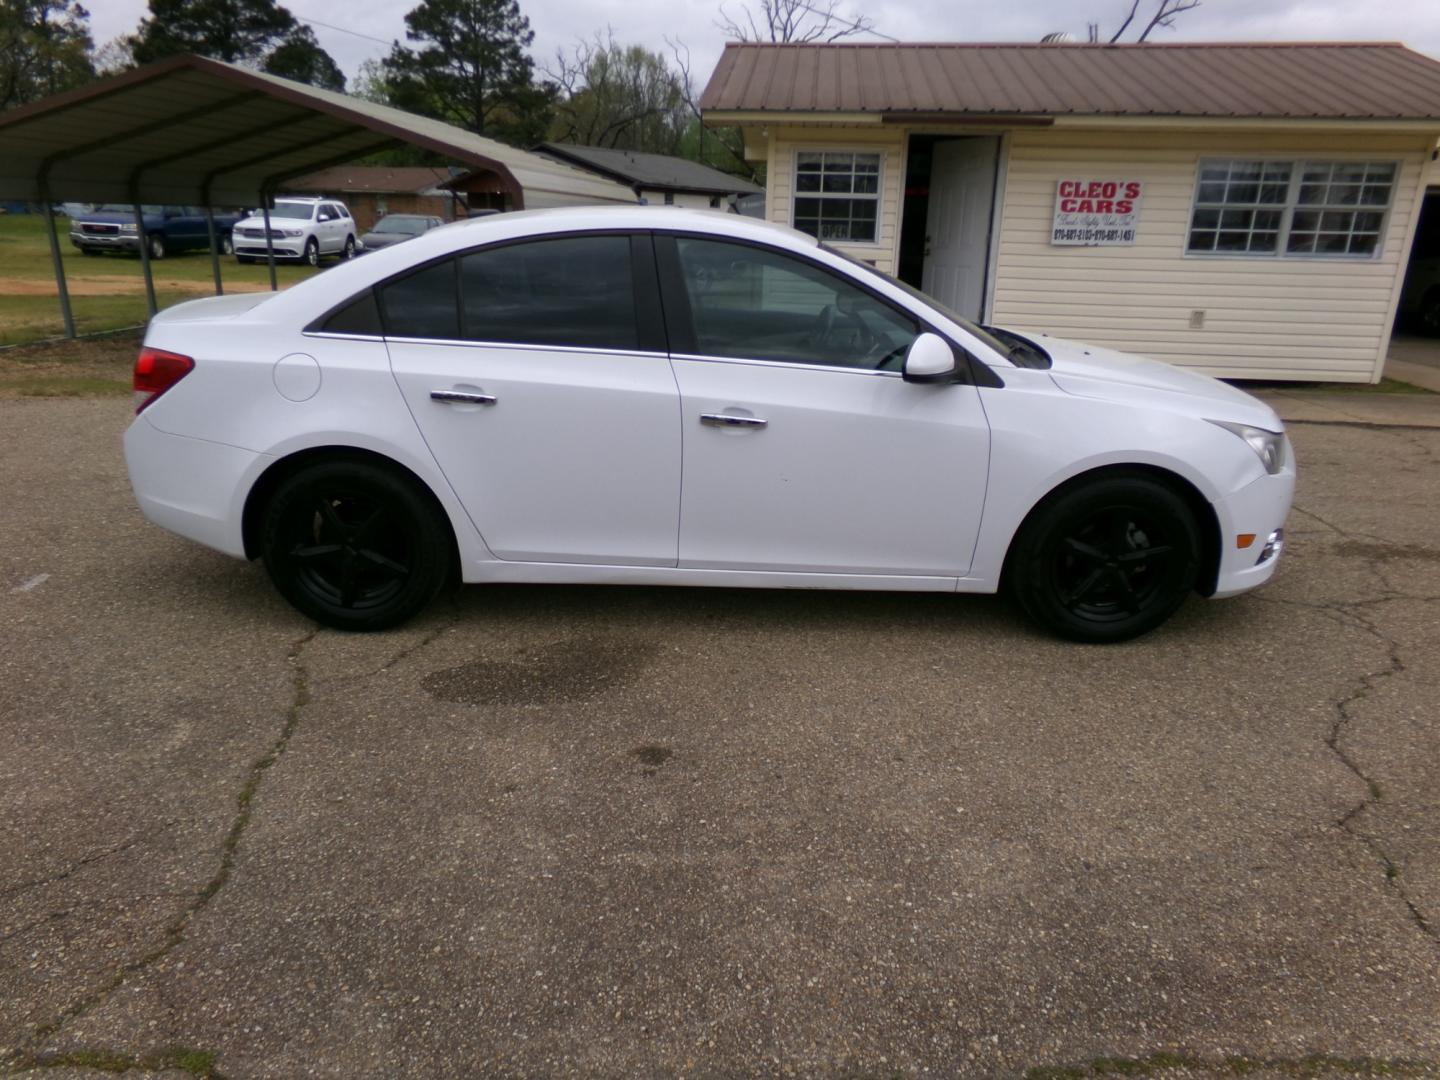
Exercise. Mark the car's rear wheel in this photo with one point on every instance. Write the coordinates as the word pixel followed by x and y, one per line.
pixel 355 545
pixel 157 247
pixel 1106 560
pixel 312 252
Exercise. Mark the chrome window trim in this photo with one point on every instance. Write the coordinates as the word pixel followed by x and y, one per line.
pixel 796 365
pixel 523 346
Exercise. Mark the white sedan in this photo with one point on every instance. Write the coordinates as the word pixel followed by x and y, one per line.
pixel 671 397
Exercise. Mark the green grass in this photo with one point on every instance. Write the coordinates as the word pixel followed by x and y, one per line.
pixel 25 257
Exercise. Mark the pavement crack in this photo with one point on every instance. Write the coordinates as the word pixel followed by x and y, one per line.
pixel 1344 716
pixel 80 864
pixel 175 930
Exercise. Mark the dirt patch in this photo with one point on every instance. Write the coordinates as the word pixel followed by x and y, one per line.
pixel 69 368
pixel 107 285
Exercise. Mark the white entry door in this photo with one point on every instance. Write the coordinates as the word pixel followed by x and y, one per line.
pixel 957 222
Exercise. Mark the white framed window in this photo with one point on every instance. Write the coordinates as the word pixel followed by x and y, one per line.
pixel 837 195
pixel 1246 206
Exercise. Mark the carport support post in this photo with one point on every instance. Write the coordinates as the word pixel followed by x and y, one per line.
pixel 269 244
pixel 58 262
pixel 145 260
pixel 214 250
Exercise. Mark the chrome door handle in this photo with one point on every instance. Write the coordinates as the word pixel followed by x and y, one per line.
pixel 727 420
pixel 462 396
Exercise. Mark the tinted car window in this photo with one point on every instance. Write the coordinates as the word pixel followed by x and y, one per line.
pixel 360 316
pixel 575 291
pixel 757 304
pixel 422 304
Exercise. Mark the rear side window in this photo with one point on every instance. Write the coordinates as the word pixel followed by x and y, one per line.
pixel 575 291
pixel 422 304
pixel 360 316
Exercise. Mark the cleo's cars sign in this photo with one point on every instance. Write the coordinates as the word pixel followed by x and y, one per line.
pixel 1096 213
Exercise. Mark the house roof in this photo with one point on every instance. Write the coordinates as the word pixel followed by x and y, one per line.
pixel 1289 80
pixel 658 171
pixel 189 129
pixel 373 179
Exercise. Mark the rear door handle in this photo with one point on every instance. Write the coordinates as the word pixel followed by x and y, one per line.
pixel 729 420
pixel 463 396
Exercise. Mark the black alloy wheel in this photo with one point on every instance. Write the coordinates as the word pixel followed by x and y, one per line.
pixel 1107 561
pixel 355 545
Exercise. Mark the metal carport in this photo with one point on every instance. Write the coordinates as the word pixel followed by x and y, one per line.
pixel 195 131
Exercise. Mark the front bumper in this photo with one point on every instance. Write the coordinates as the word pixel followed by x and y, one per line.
pixel 105 241
pixel 284 249
pixel 1259 509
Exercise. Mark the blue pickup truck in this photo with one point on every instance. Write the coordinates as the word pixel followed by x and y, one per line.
pixel 168 229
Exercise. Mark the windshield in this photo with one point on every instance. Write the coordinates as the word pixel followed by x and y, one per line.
pixel 410 226
pixel 303 211
pixel 925 298
pixel 121 208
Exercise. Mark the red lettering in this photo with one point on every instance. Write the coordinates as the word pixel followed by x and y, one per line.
pixel 1105 206
pixel 1124 206
pixel 1132 191
pixel 1067 188
pixel 1110 189
pixel 1067 206
pixel 1087 206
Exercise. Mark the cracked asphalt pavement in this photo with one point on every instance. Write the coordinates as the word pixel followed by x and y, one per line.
pixel 642 832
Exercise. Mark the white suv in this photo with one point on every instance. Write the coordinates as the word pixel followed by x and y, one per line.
pixel 299 229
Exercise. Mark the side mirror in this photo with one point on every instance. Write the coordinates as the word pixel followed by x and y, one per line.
pixel 930 360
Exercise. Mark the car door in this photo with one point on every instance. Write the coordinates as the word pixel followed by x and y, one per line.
pixel 805 449
pixel 325 227
pixel 546 395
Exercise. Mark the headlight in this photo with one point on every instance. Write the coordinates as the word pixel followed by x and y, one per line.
pixel 1269 446
pixel 294 232
pixel 129 227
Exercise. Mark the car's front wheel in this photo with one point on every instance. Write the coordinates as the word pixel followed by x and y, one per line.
pixel 355 545
pixel 1107 559
pixel 227 245
pixel 157 247
pixel 312 252
pixel 348 252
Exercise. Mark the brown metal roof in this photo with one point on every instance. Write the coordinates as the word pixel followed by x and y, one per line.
pixel 373 179
pixel 1280 80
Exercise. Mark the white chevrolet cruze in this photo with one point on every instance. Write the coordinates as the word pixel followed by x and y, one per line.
pixel 671 397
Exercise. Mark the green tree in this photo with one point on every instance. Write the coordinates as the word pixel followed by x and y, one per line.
pixel 301 58
pixel 45 47
pixel 470 69
pixel 259 32
pixel 622 96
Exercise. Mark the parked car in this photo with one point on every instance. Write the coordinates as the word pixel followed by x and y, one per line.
pixel 168 229
pixel 303 229
pixel 663 396
pixel 396 228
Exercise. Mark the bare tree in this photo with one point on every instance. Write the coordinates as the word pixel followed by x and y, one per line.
pixel 797 21
pixel 1165 14
pixel 723 148
pixel 614 95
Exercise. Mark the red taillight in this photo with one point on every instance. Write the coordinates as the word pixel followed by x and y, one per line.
pixel 155 372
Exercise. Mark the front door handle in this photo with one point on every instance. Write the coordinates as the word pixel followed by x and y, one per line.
pixel 729 420
pixel 462 396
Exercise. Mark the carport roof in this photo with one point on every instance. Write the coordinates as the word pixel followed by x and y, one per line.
pixel 191 130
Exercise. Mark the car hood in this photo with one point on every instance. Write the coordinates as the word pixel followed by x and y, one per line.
pixel 1095 372
pixel 380 239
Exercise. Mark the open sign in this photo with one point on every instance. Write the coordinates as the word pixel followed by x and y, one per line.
pixel 1096 213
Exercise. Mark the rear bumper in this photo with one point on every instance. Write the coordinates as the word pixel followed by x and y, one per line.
pixel 191 487
pixel 1258 509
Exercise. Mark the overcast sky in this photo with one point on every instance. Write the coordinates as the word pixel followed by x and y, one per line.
pixel 647 22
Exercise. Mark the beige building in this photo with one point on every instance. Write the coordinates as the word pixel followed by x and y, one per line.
pixel 1246 210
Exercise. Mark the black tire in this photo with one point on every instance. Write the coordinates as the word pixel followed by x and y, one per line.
pixel 312 252
pixel 1106 560
pixel 355 545
pixel 348 251
pixel 227 245
pixel 157 247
